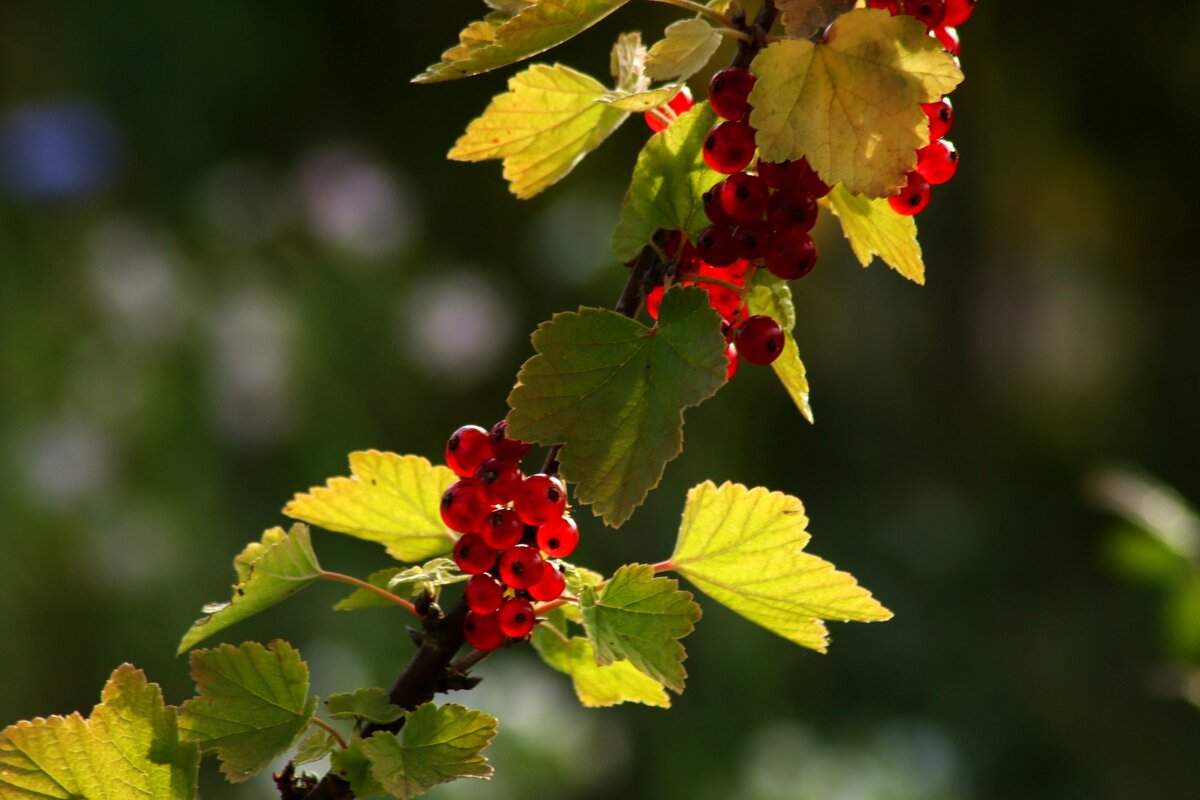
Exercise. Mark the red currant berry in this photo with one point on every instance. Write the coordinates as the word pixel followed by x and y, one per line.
pixel 889 5
pixel 503 447
pixel 931 12
pixel 793 254
pixel 516 617
pixel 792 209
pixel 948 36
pixel 774 173
pixel 716 246
pixel 483 631
pixel 805 179
pixel 941 118
pixel 678 104
pixel 521 566
pixel 469 446
pixel 503 529
pixel 473 555
pixel 465 507
pixel 653 301
pixel 958 11
pixel 729 147
pixel 731 361
pixel 760 340
pixel 938 162
pixel 743 196
pixel 729 92
pixel 913 196
pixel 558 537
pixel 499 480
pixel 713 209
pixel 484 594
pixel 752 240
pixel 540 499
pixel 550 586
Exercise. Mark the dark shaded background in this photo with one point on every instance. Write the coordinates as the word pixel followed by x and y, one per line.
pixel 231 251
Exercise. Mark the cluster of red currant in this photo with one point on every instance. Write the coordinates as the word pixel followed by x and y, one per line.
pixel 511 526
pixel 938 161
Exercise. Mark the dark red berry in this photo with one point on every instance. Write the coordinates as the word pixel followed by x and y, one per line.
pixel 729 147
pixel 484 594
pixel 793 254
pixel 716 246
pixel 678 104
pixel 731 361
pixel 504 447
pixel 724 301
pixel 743 196
pixel 540 499
pixel 948 36
pixel 499 479
pixel 752 240
pixel 938 162
pixel 760 339
pixel 931 12
pixel 792 209
pixel 653 300
pixel 483 631
pixel 774 173
pixel 713 208
pixel 521 566
pixel 473 555
pixel 805 179
pixel 558 537
pixel 468 447
pixel 913 196
pixel 550 586
pixel 941 118
pixel 729 93
pixel 958 11
pixel 516 617
pixel 890 5
pixel 465 508
pixel 503 529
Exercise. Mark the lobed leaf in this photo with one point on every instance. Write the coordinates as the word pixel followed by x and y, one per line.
pixel 686 48
pixel 314 747
pixel 596 686
pixel 773 297
pixel 390 499
pixel 352 765
pixel 370 704
pixel 614 391
pixel 806 18
pixel 744 548
pixel 874 229
pixel 440 744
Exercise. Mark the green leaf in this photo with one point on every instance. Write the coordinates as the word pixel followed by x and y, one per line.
pixel 806 18
pixel 501 39
pixel 390 499
pixel 744 548
pixel 252 704
pixel 352 765
pixel 874 229
pixel 314 747
pixel 371 704
pixel 432 574
pixel 668 180
pixel 852 106
pixel 268 572
pixel 579 577
pixel 441 744
pixel 642 101
pixel 640 618
pixel 596 686
pixel 614 392
pixel 686 48
pixel 773 297
pixel 128 747
pixel 361 598
pixel 549 119
pixel 627 63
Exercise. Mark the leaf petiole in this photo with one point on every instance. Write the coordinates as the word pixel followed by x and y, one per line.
pixel 325 726
pixel 701 9
pixel 370 587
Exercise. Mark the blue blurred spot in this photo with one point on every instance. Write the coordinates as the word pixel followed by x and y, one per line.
pixel 57 150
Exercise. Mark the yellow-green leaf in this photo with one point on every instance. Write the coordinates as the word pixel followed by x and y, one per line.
pixel 852 106
pixel 361 598
pixel 640 102
pixel 546 122
pixel 614 392
pixel 806 18
pixel 502 39
pixel 627 63
pixel 596 686
pixel 390 499
pixel 128 748
pixel 744 548
pixel 314 747
pixel 773 297
pixel 370 704
pixel 874 229
pixel 440 744
pixel 685 49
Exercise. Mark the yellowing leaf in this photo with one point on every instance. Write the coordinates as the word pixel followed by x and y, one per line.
pixel 852 106
pixel 549 119
pixel 268 573
pixel 390 499
pixel 627 63
pixel 614 392
pixel 501 39
pixel 744 548
pixel 642 101
pixel 806 18
pixel 773 297
pixel 252 704
pixel 596 686
pixel 128 748
pixel 440 744
pixel 686 49
pixel 874 229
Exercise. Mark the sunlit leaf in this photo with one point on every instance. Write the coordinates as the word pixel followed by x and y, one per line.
pixel 596 686
pixel 685 49
pixel 806 18
pixel 773 297
pixel 874 229
pixel 438 744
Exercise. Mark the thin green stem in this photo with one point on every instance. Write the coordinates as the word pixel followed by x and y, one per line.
pixel 701 9
pixel 325 726
pixel 562 636
pixel 373 589
pixel 733 33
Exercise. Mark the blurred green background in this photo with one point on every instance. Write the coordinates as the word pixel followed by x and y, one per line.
pixel 231 251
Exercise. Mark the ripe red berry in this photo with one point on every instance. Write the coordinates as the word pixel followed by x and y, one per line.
pixel 516 617
pixel 774 173
pixel 503 529
pixel 731 361
pixel 550 586
pixel 653 301
pixel 743 196
pixel 539 499
pixel 483 631
pixel 729 147
pixel 678 104
pixel 890 5
pixel 503 447
pixel 724 301
pixel 499 480
pixel 941 118
pixel 931 12
pixel 805 179
pixel 948 36
pixel 464 506
pixel 913 196
pixel 958 11
pixel 473 555
pixel 716 246
pixel 752 240
pixel 760 340
pixel 468 447
pixel 793 254
pixel 938 162
pixel 729 92
pixel 558 537
pixel 521 566
pixel 484 594
pixel 713 208
pixel 792 209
